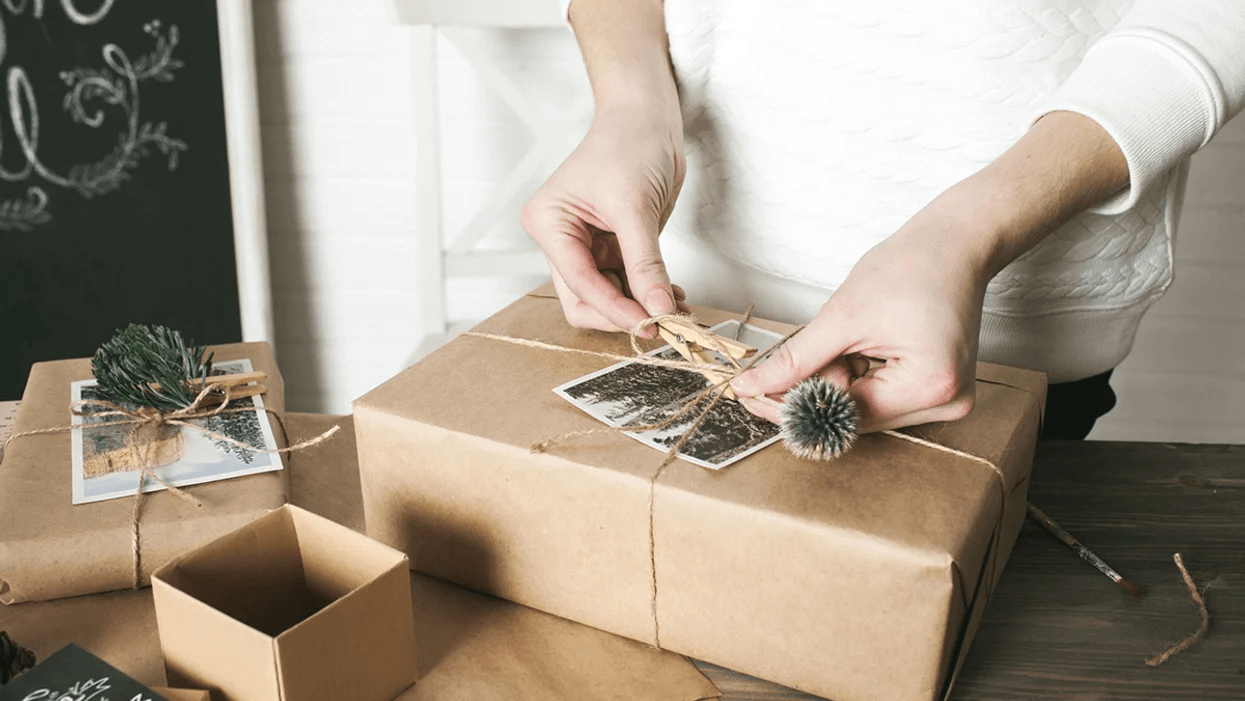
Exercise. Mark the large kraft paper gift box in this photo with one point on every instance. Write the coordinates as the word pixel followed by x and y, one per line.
pixel 52 548
pixel 862 578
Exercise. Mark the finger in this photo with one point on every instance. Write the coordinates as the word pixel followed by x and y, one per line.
pixel 577 313
pixel 605 250
pixel 800 357
pixel 837 373
pixel 616 279
pixel 894 397
pixel 680 300
pixel 574 262
pixel 769 408
pixel 646 271
pixel 840 372
pixel 858 363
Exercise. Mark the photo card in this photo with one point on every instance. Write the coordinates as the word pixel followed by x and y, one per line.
pixel 202 457
pixel 633 394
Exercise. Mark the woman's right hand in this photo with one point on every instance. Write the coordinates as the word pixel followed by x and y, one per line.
pixel 598 216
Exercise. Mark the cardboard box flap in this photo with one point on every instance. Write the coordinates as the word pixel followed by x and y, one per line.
pixel 337 561
pixel 202 635
pixel 253 575
pixel 182 694
pixel 374 643
pixel 888 498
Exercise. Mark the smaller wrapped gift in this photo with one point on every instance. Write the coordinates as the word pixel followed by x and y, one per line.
pixel 291 607
pixel 857 579
pixel 51 547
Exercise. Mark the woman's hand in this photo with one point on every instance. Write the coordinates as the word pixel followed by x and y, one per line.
pixel 598 216
pixel 914 300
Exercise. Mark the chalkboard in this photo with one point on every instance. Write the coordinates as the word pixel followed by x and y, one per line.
pixel 115 178
pixel 73 674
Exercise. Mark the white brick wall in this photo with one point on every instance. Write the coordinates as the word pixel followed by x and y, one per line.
pixel 338 129
pixel 339 158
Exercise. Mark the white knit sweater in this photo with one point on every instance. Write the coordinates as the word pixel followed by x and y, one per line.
pixel 816 129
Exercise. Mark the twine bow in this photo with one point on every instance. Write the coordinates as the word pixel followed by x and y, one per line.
pixel 147 417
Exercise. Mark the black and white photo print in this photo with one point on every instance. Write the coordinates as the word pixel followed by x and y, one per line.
pixel 633 394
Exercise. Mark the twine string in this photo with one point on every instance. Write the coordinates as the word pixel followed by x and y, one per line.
pixel 1200 602
pixel 140 451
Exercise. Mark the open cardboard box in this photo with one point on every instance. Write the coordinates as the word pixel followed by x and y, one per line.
pixel 288 608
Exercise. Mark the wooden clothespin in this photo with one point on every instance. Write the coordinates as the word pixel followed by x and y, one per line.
pixel 239 385
pixel 696 344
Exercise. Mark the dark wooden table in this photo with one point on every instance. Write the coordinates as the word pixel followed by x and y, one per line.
pixel 1058 629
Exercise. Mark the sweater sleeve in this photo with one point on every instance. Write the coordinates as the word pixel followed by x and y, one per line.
pixel 1161 83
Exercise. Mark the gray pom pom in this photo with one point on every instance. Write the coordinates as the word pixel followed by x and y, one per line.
pixel 819 420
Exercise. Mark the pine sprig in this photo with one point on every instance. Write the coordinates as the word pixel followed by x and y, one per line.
pixel 131 362
pixel 113 170
pixel 159 64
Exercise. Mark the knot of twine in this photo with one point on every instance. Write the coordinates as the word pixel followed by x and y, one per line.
pixel 137 419
pixel 728 370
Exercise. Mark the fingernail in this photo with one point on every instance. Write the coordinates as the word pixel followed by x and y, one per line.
pixel 659 302
pixel 743 385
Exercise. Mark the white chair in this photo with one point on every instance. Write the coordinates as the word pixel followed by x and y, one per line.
pixel 441 256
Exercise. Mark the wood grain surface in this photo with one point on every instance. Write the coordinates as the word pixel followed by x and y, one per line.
pixel 1058 629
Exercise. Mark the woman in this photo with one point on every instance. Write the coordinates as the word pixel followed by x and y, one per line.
pixel 929 182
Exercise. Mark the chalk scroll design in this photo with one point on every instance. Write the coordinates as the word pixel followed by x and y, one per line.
pixel 89 690
pixel 25 214
pixel 88 92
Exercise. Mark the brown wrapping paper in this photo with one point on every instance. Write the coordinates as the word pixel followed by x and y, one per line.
pixel 471 646
pixel 858 579
pixel 182 694
pixel 51 548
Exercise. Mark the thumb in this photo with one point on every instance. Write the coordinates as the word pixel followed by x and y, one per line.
pixel 802 356
pixel 646 270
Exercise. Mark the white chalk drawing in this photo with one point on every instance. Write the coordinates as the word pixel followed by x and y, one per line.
pixel 89 91
pixel 89 690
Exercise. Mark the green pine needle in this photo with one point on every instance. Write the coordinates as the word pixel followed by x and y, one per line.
pixel 131 361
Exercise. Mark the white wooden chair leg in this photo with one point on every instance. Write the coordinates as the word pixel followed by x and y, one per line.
pixel 430 252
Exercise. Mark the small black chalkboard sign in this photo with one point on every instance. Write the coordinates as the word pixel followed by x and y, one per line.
pixel 73 674
pixel 115 191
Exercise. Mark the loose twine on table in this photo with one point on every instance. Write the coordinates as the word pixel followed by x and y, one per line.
pixel 728 369
pixel 1197 635
pixel 140 450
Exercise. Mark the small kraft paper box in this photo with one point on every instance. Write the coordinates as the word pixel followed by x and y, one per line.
pixel 52 548
pixel 858 579
pixel 292 607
